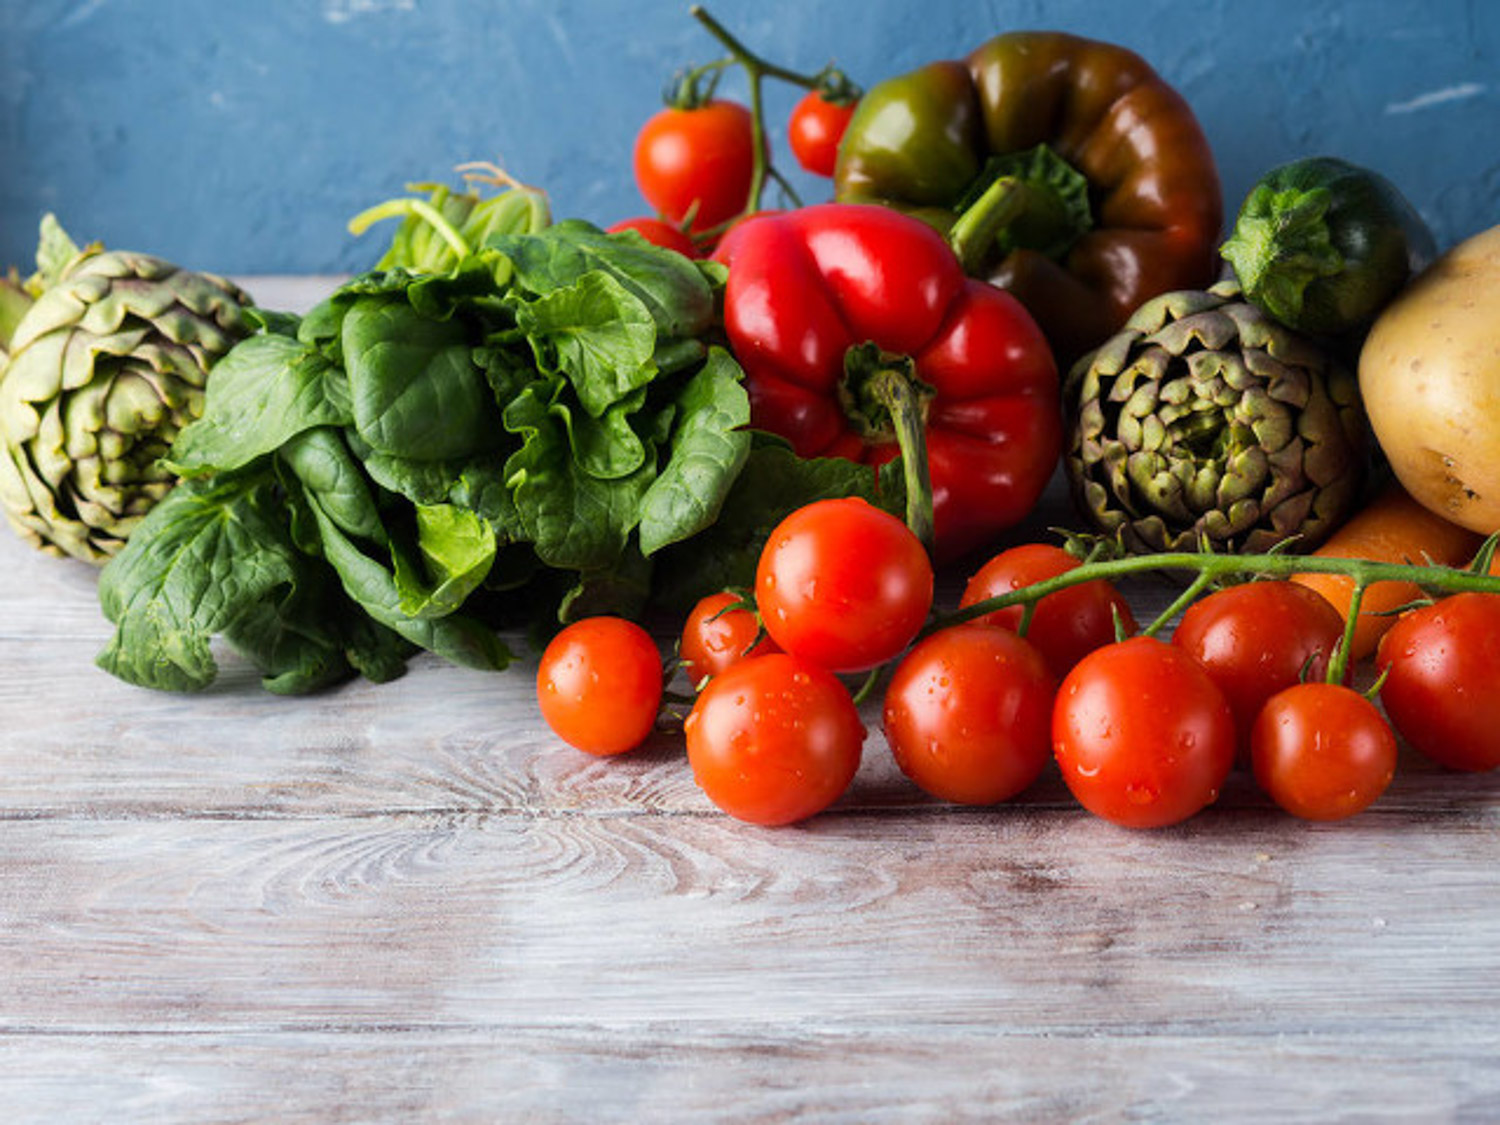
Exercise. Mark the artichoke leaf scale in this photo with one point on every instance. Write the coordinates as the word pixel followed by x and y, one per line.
pixel 1203 421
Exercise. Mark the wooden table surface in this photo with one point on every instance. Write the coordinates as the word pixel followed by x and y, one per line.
pixel 408 902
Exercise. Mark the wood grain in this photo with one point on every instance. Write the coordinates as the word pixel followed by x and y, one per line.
pixel 408 902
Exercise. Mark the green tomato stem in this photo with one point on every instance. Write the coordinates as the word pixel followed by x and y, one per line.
pixel 1209 568
pixel 757 69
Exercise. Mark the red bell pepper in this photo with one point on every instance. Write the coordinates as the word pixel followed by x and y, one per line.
pixel 827 307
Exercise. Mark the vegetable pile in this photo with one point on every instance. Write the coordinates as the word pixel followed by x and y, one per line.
pixel 771 430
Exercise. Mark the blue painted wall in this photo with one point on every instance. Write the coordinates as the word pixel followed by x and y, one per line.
pixel 239 136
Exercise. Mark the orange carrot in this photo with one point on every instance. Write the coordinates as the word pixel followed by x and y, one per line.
pixel 1391 528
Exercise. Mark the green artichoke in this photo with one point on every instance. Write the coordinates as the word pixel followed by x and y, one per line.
pixel 104 368
pixel 1205 424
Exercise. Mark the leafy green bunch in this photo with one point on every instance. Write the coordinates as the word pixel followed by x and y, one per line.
pixel 425 459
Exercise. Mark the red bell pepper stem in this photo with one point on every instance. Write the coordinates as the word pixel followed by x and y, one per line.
pixel 894 390
pixel 974 232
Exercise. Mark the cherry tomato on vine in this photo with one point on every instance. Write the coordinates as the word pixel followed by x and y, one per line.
pixel 1257 638
pixel 968 714
pixel 843 584
pixel 699 160
pixel 1066 625
pixel 1440 686
pixel 599 685
pixel 1322 751
pixel 814 129
pixel 1142 734
pixel 658 232
pixel 774 739
pixel 719 632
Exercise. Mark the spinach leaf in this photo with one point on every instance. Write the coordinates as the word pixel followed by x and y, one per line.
pixel 414 387
pixel 204 555
pixel 263 392
pixel 597 334
pixel 455 637
pixel 709 447
pixel 678 295
pixel 457 550
pixel 575 521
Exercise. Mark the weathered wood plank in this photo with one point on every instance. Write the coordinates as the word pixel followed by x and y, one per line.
pixel 746 1075
pixel 1037 922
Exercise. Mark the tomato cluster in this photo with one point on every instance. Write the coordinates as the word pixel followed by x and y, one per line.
pixel 1143 731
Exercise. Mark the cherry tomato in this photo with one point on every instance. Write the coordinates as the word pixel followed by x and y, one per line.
pixel 1257 638
pixel 814 130
pixel 1143 735
pixel 1322 751
pixel 843 584
pixel 698 160
pixel 1066 625
pixel 658 233
pixel 773 739
pixel 1440 686
pixel 717 635
pixel 968 714
pixel 599 685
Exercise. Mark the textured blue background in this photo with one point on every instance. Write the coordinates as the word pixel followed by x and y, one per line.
pixel 239 136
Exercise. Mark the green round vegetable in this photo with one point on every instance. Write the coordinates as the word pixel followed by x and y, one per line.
pixel 1323 245
pixel 104 369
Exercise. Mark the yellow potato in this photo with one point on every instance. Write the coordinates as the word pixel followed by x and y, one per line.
pixel 1430 376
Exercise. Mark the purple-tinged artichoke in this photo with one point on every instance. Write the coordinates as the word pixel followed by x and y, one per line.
pixel 1205 424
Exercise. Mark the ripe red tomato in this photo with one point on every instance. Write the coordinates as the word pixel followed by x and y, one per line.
pixel 843 584
pixel 814 130
pixel 1322 751
pixel 774 739
pixel 1142 734
pixel 1257 638
pixel 1440 686
pixel 968 714
pixel 716 636
pixel 599 685
pixel 1067 625
pixel 658 233
pixel 698 160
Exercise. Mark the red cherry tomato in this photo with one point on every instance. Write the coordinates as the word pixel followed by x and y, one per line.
pixel 843 584
pixel 814 130
pixel 1260 637
pixel 1142 734
pixel 658 233
pixel 968 714
pixel 774 740
pixel 1440 690
pixel 599 685
pixel 717 635
pixel 698 160
pixel 1322 751
pixel 1067 625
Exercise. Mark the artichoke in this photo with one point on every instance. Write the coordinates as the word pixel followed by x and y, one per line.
pixel 1205 424
pixel 104 368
